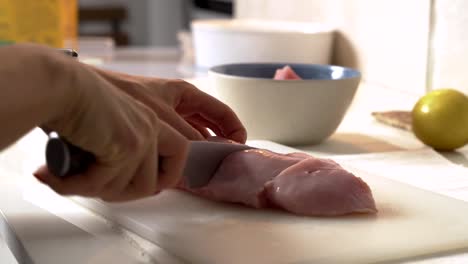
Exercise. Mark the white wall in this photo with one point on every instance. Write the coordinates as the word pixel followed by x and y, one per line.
pixel 386 39
pixel 449 67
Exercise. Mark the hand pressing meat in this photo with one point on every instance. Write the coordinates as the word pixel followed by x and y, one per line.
pixel 295 182
pixel 286 73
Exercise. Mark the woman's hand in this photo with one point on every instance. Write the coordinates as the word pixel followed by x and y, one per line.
pixel 181 105
pixel 126 136
pixel 97 111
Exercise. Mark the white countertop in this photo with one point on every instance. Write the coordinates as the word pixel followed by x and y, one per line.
pixel 64 232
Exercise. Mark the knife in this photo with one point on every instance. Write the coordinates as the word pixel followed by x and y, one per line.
pixel 204 157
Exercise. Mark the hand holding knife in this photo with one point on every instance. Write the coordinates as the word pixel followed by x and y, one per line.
pixel 65 159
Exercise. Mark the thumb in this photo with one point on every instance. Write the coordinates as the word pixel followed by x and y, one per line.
pixel 43 174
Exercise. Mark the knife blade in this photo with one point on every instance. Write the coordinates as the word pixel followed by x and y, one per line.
pixel 204 157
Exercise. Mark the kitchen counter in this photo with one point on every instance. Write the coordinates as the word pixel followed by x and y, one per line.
pixel 61 231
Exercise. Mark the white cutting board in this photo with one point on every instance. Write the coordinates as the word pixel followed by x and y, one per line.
pixel 411 223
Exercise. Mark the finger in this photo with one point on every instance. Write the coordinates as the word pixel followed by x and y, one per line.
pixel 172 150
pixel 144 182
pixel 195 101
pixel 202 122
pixel 88 184
pixel 182 126
pixel 146 177
pixel 42 174
pixel 165 113
pixel 115 187
pixel 202 129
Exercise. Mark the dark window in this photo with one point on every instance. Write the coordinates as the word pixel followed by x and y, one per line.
pixel 220 6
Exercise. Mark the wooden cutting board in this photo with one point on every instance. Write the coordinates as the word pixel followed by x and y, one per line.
pixel 411 223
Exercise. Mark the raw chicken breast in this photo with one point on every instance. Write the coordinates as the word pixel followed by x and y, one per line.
pixel 320 187
pixel 286 73
pixel 295 182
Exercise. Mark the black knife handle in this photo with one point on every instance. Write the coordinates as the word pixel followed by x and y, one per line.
pixel 65 159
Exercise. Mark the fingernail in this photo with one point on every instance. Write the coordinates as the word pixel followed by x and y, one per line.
pixel 39 177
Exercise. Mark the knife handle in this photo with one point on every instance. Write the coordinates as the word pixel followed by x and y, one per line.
pixel 65 159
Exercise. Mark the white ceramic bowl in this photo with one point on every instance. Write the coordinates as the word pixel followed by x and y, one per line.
pixel 290 112
pixel 225 41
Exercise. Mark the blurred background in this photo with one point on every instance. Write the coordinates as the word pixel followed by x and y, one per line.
pixel 146 22
pixel 413 46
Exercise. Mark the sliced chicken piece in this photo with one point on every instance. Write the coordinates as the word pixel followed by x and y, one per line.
pixel 286 73
pixel 320 187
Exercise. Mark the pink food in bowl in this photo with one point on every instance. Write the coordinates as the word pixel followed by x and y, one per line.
pixel 286 73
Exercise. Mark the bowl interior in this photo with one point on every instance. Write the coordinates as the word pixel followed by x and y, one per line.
pixel 305 71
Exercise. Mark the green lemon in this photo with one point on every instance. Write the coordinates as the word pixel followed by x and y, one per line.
pixel 440 119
